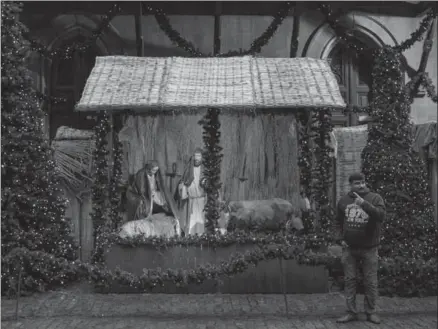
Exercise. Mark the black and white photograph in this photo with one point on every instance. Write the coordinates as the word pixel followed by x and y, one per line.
pixel 219 164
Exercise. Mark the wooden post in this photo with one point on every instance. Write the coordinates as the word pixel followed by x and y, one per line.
pixel 173 174
pixel 295 32
pixel 217 28
pixel 283 284
pixel 139 31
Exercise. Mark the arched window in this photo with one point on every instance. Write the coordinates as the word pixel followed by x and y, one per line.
pixel 68 81
pixel 353 72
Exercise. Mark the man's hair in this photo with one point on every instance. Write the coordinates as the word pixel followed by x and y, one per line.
pixel 152 164
pixel 355 177
pixel 198 150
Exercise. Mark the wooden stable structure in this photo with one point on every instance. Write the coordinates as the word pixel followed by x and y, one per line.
pixel 181 88
pixel 260 149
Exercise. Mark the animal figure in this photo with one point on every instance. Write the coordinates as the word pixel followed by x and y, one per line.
pixel 267 215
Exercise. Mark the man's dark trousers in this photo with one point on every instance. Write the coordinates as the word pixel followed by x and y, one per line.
pixel 351 257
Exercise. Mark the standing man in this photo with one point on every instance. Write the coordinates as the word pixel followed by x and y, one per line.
pixel 360 214
pixel 191 197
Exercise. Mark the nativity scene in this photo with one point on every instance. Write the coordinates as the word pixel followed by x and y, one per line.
pixel 246 173
pixel 150 205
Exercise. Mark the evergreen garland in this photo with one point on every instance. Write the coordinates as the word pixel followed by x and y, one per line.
pixel 417 35
pixel 66 52
pixel 304 153
pixel 212 159
pixel 115 186
pixel 321 181
pixel 99 196
pixel 402 277
pixel 256 46
pixel 32 202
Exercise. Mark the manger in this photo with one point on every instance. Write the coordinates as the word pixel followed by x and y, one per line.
pixel 242 110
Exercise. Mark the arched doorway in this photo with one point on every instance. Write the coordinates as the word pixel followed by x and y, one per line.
pixel 353 72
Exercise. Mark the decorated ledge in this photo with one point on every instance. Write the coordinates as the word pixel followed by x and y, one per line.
pixel 413 270
pixel 218 240
pixel 171 84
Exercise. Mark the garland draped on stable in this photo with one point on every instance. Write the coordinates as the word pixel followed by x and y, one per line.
pixel 99 197
pixel 291 248
pixel 116 186
pixel 321 171
pixel 212 162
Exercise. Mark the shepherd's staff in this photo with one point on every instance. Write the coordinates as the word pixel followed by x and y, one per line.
pixel 174 173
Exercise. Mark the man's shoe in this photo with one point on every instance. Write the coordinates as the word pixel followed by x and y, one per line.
pixel 347 318
pixel 373 318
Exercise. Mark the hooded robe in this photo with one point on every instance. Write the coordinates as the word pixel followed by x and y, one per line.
pixel 139 196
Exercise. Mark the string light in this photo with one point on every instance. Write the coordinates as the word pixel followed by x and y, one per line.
pixel 33 205
pixel 115 190
pixel 256 46
pixel 66 52
pixel 50 99
pixel 393 170
pixel 321 171
pixel 50 208
pixel 212 167
pixel 346 36
pixel 99 197
pixel 418 34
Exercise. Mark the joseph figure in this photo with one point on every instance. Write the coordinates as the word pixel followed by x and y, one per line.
pixel 147 195
pixel 191 197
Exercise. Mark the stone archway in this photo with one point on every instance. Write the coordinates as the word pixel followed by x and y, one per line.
pixel 368 29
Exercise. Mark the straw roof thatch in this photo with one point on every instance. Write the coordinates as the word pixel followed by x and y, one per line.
pixel 178 83
pixel 73 150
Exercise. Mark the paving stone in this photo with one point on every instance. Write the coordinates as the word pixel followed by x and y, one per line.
pixel 73 309
pixel 400 322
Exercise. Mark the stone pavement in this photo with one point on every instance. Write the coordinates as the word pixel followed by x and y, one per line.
pixel 70 309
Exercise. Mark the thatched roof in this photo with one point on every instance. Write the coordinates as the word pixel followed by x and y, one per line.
pixel 175 83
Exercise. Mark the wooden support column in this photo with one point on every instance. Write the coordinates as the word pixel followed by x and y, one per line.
pixel 138 30
pixel 295 31
pixel 217 28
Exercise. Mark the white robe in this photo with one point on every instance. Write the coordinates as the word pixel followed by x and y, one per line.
pixel 196 204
